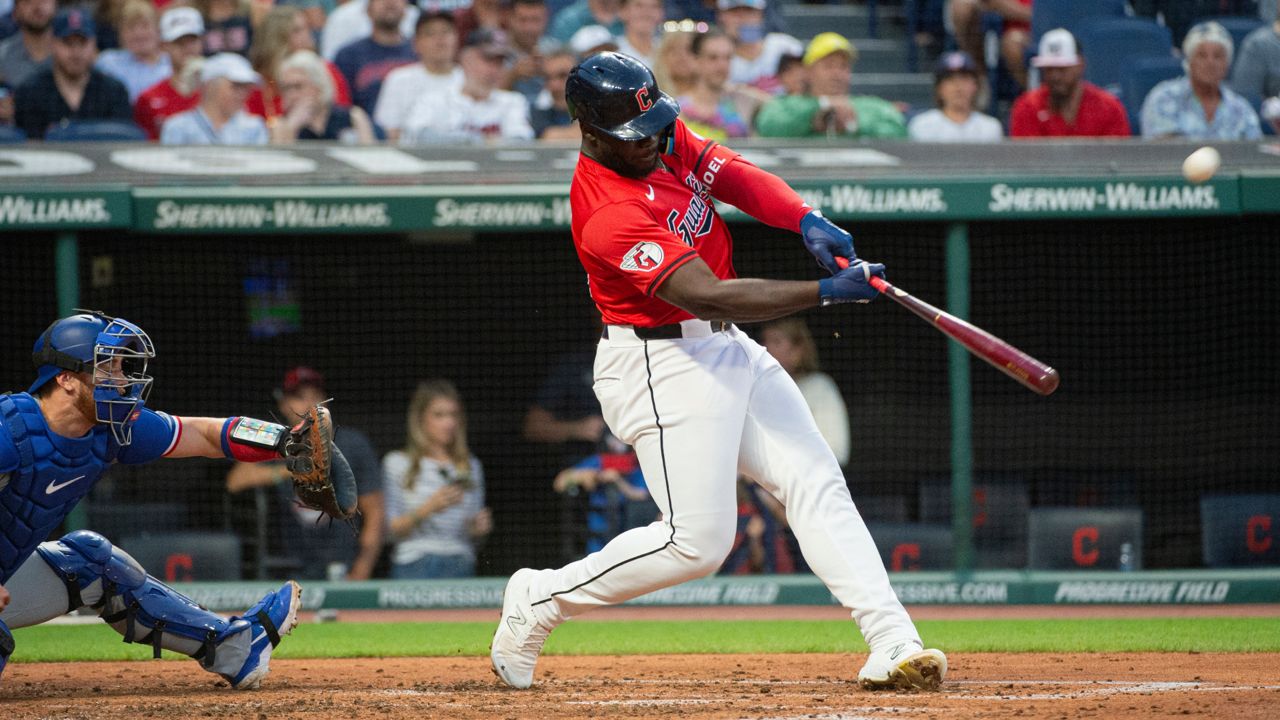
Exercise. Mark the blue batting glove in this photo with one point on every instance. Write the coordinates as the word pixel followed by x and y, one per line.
pixel 826 240
pixel 852 284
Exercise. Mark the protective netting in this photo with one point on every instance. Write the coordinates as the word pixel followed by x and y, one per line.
pixel 1163 332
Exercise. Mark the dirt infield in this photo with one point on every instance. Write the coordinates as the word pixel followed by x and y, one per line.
pixel 1148 685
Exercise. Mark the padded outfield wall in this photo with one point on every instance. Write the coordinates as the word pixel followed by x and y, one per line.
pixel 1155 299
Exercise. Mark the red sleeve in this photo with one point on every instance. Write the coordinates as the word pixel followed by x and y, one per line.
pixel 727 177
pixel 624 242
pixel 762 195
pixel 341 90
pixel 1022 119
pixel 1119 126
pixel 145 119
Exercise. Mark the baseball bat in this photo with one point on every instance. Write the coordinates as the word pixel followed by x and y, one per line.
pixel 1006 358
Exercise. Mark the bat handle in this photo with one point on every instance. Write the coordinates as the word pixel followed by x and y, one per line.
pixel 876 281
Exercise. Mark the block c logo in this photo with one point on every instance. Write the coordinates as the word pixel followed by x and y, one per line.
pixel 1084 546
pixel 643 100
pixel 1257 534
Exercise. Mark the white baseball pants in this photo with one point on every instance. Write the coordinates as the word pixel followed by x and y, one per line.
pixel 699 410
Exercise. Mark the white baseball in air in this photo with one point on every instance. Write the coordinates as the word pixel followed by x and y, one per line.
pixel 1201 164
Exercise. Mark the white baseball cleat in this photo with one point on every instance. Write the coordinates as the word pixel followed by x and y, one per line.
pixel 519 638
pixel 905 666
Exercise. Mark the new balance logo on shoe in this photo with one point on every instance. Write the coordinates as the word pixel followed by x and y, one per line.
pixel 516 621
pixel 896 651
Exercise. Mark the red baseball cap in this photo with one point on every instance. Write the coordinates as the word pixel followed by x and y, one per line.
pixel 299 377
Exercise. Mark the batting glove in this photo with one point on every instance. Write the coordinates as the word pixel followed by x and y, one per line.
pixel 852 284
pixel 826 240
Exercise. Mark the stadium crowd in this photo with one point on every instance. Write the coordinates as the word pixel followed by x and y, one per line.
pixel 256 72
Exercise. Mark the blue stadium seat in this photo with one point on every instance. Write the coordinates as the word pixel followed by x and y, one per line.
pixel 1110 44
pixel 1140 76
pixel 1049 14
pixel 95 131
pixel 11 135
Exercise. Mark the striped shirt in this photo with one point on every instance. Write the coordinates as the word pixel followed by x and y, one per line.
pixel 444 533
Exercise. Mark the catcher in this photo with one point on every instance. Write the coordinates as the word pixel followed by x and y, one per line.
pixel 85 411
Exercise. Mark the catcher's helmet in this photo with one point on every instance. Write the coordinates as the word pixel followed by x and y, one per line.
pixel 113 350
pixel 617 94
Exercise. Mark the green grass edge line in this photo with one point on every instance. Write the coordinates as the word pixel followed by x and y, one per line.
pixel 65 643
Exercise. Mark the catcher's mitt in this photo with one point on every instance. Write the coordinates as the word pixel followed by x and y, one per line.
pixel 322 479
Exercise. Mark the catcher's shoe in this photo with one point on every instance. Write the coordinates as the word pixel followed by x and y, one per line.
pixel 519 638
pixel 269 618
pixel 904 666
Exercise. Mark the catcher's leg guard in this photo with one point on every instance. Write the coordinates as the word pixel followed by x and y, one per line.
pixel 6 646
pixel 140 607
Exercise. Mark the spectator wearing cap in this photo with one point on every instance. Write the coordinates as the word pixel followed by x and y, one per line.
pixel 956 84
pixel 641 20
pixel 526 27
pixel 181 29
pixel 755 53
pixel 482 15
pixel 791 75
pixel 226 79
pixel 477 110
pixel 715 108
pixel 228 25
pixel 549 113
pixel 1015 36
pixel 350 22
pixel 310 112
pixel 282 32
pixel 435 73
pixel 592 39
pixel 580 14
pixel 366 63
pixel 141 63
pixel 316 545
pixel 1198 105
pixel 1065 104
pixel 30 48
pixel 70 88
pixel 828 108
pixel 1256 73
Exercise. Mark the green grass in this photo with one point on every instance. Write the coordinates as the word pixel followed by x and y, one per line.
pixel 98 642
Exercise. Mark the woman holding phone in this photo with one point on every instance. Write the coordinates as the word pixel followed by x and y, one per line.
pixel 435 490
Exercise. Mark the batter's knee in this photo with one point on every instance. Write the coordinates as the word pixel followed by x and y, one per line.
pixel 706 545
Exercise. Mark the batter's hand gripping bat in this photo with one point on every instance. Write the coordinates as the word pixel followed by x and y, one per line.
pixel 1018 365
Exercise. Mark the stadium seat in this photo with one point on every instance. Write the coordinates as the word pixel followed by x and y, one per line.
pixel 187 556
pixel 11 135
pixel 1240 530
pixel 1000 506
pixel 95 131
pixel 1110 44
pixel 907 547
pixel 1140 76
pixel 1049 14
pixel 1084 539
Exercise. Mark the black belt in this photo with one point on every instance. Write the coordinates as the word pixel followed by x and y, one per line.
pixel 674 331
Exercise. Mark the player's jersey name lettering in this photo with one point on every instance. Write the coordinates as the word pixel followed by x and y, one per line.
pixel 17 209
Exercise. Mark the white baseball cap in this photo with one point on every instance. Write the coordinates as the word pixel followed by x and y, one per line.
pixel 731 4
pixel 591 37
pixel 1058 48
pixel 180 22
pixel 230 66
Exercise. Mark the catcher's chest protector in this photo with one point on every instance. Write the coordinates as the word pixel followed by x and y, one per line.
pixel 54 472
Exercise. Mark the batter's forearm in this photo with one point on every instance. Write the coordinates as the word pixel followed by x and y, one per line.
pixel 747 300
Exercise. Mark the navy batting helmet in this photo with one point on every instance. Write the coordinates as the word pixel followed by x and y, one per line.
pixel 617 94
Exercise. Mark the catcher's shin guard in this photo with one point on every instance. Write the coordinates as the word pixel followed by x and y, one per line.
pixel 148 608
pixel 6 646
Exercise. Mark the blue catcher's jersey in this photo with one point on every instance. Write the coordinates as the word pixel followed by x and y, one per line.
pixel 43 474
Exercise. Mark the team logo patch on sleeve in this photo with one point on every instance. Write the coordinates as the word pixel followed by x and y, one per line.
pixel 644 257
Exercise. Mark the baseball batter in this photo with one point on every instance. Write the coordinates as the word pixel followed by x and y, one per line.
pixel 84 412
pixel 698 399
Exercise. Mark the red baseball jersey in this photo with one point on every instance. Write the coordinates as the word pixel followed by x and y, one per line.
pixel 632 234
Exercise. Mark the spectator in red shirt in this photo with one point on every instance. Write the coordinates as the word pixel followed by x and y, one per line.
pixel 1065 105
pixel 283 32
pixel 182 32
